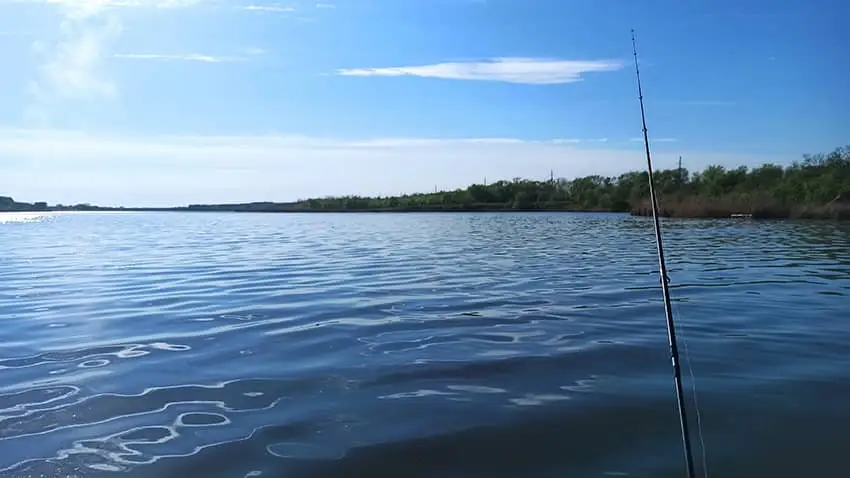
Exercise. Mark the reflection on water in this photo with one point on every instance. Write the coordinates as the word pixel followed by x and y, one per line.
pixel 425 345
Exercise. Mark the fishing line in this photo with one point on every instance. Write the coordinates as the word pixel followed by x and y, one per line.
pixel 698 414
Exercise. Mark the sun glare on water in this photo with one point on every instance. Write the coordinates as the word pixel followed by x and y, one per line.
pixel 9 217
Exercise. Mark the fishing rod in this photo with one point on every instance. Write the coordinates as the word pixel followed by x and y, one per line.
pixel 665 283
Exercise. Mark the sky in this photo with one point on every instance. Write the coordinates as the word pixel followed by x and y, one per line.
pixel 172 102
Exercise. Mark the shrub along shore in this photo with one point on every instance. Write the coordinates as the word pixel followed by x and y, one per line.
pixel 816 187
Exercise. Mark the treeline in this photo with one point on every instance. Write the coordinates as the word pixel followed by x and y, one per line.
pixel 816 187
pixel 812 187
pixel 9 204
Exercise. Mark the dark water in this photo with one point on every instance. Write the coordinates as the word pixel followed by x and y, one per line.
pixel 419 345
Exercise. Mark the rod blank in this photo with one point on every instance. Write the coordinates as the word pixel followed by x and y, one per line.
pixel 665 283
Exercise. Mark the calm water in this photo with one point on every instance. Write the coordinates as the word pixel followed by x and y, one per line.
pixel 417 345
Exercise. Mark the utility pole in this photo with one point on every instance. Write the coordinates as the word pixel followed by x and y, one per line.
pixel 552 176
pixel 681 179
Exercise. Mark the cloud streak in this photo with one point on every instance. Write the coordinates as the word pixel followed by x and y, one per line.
pixel 186 57
pixel 268 8
pixel 100 4
pixel 90 7
pixel 249 53
pixel 532 71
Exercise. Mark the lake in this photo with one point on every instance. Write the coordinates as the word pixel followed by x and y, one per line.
pixel 418 345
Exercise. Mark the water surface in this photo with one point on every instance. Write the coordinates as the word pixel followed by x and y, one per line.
pixel 417 345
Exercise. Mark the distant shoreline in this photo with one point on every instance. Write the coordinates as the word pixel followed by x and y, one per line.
pixel 310 211
pixel 714 212
pixel 682 209
pixel 816 188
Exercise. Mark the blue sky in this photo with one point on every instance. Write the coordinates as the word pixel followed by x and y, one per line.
pixel 154 102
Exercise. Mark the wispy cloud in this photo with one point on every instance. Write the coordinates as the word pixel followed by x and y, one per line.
pixel 325 5
pixel 249 53
pixel 574 141
pixel 512 70
pixel 443 142
pixel 268 8
pixel 97 6
pixel 73 68
pixel 185 57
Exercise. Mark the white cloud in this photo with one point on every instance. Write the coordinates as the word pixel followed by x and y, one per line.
pixel 512 70
pixel 84 7
pixel 198 57
pixel 185 57
pixel 74 67
pixel 268 8
pixel 95 4
pixel 325 5
pixel 68 167
pixel 98 6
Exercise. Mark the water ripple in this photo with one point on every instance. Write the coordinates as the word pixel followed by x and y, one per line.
pixel 354 345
